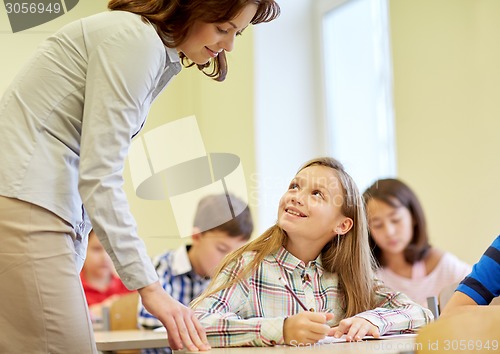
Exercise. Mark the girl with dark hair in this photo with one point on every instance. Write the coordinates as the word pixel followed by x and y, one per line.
pixel 400 244
pixel 66 123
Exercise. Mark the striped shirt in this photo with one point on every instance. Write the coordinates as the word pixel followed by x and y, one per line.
pixel 179 280
pixel 483 283
pixel 252 311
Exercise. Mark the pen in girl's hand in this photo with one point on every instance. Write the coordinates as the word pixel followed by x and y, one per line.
pixel 292 293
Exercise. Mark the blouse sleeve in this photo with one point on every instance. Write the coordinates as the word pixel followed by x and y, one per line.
pixel 122 73
pixel 396 313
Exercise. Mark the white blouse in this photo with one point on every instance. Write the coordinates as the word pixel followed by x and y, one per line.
pixel 66 122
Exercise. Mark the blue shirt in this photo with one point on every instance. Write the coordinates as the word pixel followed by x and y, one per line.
pixel 483 283
pixel 66 123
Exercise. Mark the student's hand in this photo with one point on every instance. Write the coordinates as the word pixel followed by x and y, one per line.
pixel 181 323
pixel 355 328
pixel 306 327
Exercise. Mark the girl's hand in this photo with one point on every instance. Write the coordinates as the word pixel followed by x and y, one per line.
pixel 355 328
pixel 306 327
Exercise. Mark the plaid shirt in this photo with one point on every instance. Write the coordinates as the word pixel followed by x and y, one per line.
pixel 252 312
pixel 177 277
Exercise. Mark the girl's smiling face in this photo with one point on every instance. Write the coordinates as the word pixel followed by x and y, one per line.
pixel 311 208
pixel 207 40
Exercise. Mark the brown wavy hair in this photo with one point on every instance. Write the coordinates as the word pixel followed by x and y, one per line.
pixel 173 20
pixel 397 194
pixel 348 255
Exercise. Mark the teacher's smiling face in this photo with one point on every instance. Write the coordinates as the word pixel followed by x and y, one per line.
pixel 206 40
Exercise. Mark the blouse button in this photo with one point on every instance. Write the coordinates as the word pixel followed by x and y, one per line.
pixel 311 309
pixel 273 342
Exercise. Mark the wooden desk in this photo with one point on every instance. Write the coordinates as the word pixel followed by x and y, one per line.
pixel 129 339
pixel 386 346
pixel 136 339
pixel 473 330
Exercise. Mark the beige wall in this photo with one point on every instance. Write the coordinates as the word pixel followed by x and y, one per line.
pixel 17 47
pixel 446 56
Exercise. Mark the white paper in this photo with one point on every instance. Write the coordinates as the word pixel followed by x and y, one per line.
pixel 329 340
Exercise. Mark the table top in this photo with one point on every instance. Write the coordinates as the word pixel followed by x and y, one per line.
pixel 137 339
pixel 387 346
pixel 479 327
pixel 468 330
pixel 129 339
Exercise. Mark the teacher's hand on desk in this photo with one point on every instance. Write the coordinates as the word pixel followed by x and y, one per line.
pixel 182 325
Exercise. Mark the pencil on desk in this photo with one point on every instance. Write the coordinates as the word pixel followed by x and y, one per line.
pixel 292 293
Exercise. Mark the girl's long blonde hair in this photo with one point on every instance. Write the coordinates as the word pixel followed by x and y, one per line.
pixel 346 255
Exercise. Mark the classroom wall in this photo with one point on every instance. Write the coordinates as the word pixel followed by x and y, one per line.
pixel 446 57
pixel 17 47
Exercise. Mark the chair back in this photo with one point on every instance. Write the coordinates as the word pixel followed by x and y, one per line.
pixel 123 312
pixel 446 293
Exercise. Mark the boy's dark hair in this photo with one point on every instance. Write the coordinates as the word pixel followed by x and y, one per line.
pixel 397 194
pixel 212 215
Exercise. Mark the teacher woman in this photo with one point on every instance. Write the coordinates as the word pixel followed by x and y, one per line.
pixel 66 123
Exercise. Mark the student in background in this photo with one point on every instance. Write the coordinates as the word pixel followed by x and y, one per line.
pixel 481 286
pixel 319 247
pixel 400 244
pixel 66 124
pixel 100 282
pixel 186 272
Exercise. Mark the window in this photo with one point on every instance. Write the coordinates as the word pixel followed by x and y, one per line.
pixel 357 87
